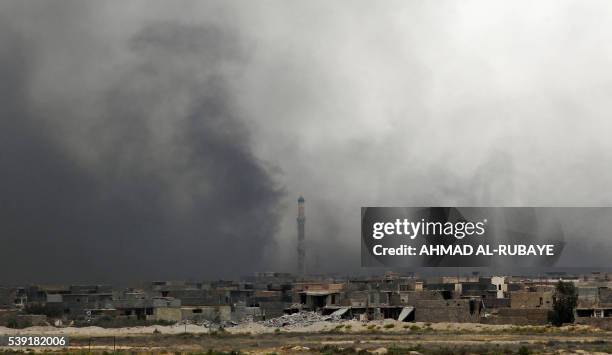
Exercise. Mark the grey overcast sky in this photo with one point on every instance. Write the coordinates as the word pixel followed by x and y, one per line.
pixel 156 139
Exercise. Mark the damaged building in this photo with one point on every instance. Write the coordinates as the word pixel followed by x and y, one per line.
pixel 264 296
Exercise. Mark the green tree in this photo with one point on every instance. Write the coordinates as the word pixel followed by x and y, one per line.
pixel 566 298
pixel 12 323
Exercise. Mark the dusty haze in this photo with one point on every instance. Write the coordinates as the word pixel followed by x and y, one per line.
pixel 171 140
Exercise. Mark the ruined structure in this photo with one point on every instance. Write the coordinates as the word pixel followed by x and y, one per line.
pixel 265 296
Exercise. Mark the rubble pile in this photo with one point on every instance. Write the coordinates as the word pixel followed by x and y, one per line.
pixel 248 319
pixel 299 319
pixel 213 325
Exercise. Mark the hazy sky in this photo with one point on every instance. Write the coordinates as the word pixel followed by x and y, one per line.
pixel 156 139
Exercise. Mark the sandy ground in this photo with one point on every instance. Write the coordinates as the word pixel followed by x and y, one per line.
pixel 375 337
pixel 105 332
pixel 386 326
pixel 357 326
pixel 392 326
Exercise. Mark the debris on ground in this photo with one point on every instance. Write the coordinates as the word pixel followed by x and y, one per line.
pixel 213 325
pixel 300 348
pixel 299 319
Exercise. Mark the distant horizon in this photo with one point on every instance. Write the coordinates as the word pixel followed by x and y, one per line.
pixel 420 273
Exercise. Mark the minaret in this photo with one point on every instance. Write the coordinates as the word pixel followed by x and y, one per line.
pixel 301 250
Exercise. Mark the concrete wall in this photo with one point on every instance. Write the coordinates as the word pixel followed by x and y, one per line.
pixel 166 314
pixel 588 297
pixel 272 309
pixel 457 310
pixel 409 298
pixel 196 297
pixel 361 299
pixel 605 297
pixel 78 303
pixel 525 299
pixel 491 303
pixel 518 316
pixel 207 313
pixel 318 286
pixel 242 312
pixel 356 299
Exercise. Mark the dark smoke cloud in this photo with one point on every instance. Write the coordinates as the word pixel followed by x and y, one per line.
pixel 144 138
pixel 186 199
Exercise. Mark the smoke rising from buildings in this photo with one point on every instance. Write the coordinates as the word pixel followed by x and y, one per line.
pixel 149 177
pixel 148 139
